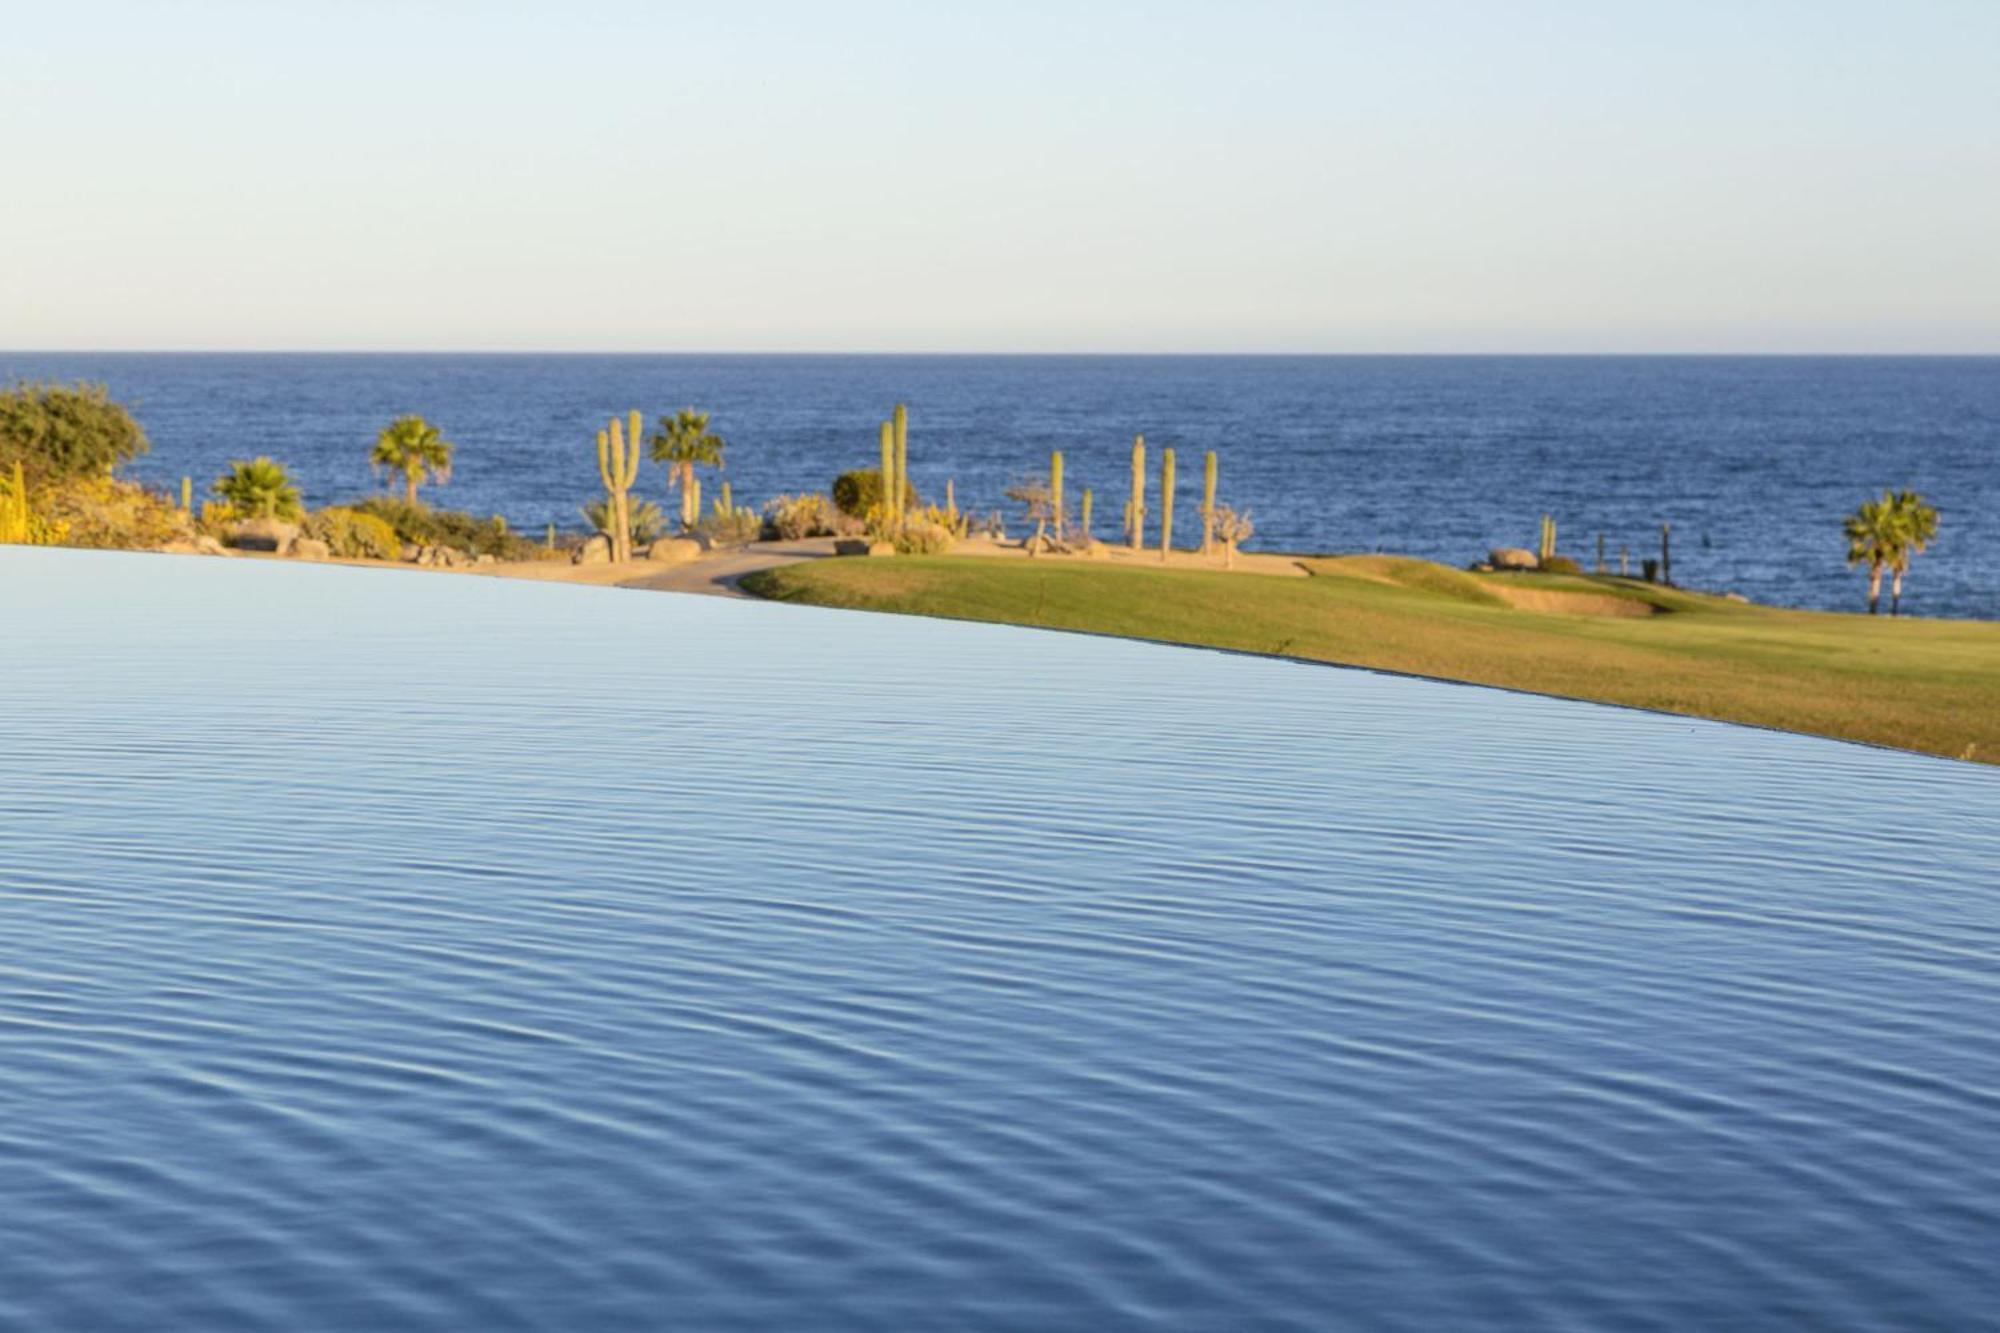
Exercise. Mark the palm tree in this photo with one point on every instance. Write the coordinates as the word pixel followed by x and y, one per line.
pixel 684 442
pixel 260 488
pixel 415 448
pixel 1917 523
pixel 1875 535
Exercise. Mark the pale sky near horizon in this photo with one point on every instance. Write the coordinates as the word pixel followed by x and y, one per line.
pixel 1435 175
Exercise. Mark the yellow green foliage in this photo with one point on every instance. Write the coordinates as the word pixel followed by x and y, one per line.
pixel 353 535
pixel 20 525
pixel 101 511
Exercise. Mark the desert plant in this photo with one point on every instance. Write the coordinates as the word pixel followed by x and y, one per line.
pixel 891 504
pixel 791 517
pixel 1166 502
pixel 1056 492
pixel 417 450
pixel 737 527
pixel 20 525
pixel 919 535
pixel 618 468
pixel 1874 535
pixel 1084 517
pixel 1546 549
pixel 644 521
pixel 1208 471
pixel 1232 530
pixel 684 442
pixel 1034 497
pixel 1135 507
pixel 353 534
pixel 421 525
pixel 861 490
pixel 899 420
pixel 260 488
pixel 65 430
pixel 1560 564
pixel 187 495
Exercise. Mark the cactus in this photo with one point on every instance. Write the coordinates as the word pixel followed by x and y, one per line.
pixel 888 474
pixel 1055 490
pixel 1208 504
pixel 1667 553
pixel 550 544
pixel 1548 542
pixel 618 468
pixel 901 419
pixel 1087 538
pixel 187 495
pixel 1135 508
pixel 14 509
pixel 726 506
pixel 1166 503
pixel 951 500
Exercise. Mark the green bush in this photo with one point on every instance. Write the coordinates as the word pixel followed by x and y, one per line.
pixel 353 535
pixel 790 517
pixel 65 430
pixel 260 488
pixel 420 525
pixel 924 537
pixel 646 520
pixel 102 511
pixel 857 492
pixel 1561 564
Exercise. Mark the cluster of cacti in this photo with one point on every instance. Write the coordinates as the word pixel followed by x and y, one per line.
pixel 1208 504
pixel 618 468
pixel 1166 502
pixel 1548 544
pixel 725 505
pixel 1135 508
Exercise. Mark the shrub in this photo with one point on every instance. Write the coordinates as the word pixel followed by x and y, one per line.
pixel 1561 564
pixel 104 512
pixel 923 537
pixel 351 534
pixel 20 523
pixel 65 430
pixel 735 527
pixel 260 488
pixel 790 517
pixel 646 520
pixel 420 525
pixel 859 491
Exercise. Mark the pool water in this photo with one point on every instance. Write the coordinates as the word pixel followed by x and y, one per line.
pixel 398 951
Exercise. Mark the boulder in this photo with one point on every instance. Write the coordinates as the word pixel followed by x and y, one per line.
pixel 596 551
pixel 1513 557
pixel 485 558
pixel 881 548
pixel 1735 597
pixel 263 534
pixel 208 545
pixel 673 550
pixel 411 553
pixel 309 548
pixel 850 546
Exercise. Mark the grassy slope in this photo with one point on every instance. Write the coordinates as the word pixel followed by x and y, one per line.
pixel 1919 684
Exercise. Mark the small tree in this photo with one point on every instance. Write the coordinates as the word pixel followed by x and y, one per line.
pixel 1232 529
pixel 260 488
pixel 1917 525
pixel 65 430
pixel 684 442
pixel 412 446
pixel 1035 497
pixel 1874 537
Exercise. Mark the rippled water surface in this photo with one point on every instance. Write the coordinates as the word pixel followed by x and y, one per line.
pixel 385 951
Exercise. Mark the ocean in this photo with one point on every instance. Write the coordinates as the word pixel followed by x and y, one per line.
pixel 1753 460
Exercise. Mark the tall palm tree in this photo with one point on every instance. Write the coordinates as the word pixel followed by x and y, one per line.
pixel 260 488
pixel 415 448
pixel 1875 535
pixel 1917 524
pixel 684 442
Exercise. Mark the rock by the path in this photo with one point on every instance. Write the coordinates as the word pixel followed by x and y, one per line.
pixel 673 550
pixel 596 551
pixel 309 548
pixel 1513 557
pixel 881 548
pixel 263 534
pixel 850 546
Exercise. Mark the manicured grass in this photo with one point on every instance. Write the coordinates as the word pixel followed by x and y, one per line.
pixel 1931 685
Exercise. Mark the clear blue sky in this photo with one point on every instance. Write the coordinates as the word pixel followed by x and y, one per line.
pixel 1425 175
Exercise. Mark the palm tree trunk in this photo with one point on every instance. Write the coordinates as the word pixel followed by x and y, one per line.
pixel 1874 589
pixel 1896 594
pixel 688 516
pixel 410 489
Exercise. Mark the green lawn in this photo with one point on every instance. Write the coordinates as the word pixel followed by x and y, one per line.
pixel 1931 685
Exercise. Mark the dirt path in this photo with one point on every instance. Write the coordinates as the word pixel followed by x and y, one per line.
pixel 718 575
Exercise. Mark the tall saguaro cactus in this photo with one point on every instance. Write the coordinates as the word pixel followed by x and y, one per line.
pixel 1166 503
pixel 1208 504
pixel 1135 508
pixel 1085 504
pixel 618 468
pixel 890 505
pixel 901 420
pixel 1548 550
pixel 1056 490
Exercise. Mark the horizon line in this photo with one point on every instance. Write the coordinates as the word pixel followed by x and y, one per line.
pixel 1072 354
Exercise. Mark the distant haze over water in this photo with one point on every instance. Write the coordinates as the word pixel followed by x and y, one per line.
pixel 1754 460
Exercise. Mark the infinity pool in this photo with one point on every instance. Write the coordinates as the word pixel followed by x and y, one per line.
pixel 391 951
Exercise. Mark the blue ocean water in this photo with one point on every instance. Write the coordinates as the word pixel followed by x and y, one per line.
pixel 1753 460
pixel 396 953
